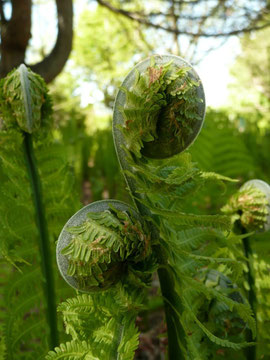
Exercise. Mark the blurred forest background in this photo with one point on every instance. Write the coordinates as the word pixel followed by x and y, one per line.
pixel 84 71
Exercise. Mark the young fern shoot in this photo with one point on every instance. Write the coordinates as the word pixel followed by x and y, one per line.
pixel 110 250
pixel 162 103
pixel 31 213
pixel 250 212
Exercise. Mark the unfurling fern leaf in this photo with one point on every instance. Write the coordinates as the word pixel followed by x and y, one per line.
pixel 35 201
pixel 159 187
pixel 250 211
pixel 101 247
pixel 110 247
pixel 250 205
pixel 101 244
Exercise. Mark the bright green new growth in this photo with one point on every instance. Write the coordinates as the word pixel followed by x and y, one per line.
pixel 36 198
pixel 101 325
pixel 160 110
pixel 249 206
pixel 103 247
pixel 188 242
pixel 182 244
pixel 25 101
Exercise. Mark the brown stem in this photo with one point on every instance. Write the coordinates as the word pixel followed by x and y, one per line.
pixel 15 35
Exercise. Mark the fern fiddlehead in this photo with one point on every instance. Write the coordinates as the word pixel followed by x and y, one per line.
pixel 100 243
pixel 103 250
pixel 158 112
pixel 35 200
pixel 24 104
pixel 250 210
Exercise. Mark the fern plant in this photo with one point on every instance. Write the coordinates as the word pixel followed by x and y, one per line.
pixel 109 250
pixel 250 212
pixel 35 201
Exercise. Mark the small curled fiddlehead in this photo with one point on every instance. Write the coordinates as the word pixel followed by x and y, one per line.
pixel 158 113
pixel 160 107
pixel 249 209
pixel 251 206
pixel 100 244
pixel 25 102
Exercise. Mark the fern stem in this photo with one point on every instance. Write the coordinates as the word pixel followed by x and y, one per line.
pixel 44 244
pixel 175 331
pixel 118 337
pixel 251 352
pixel 172 301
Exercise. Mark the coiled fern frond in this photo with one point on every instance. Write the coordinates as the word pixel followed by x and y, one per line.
pixel 159 187
pixel 158 112
pixel 102 246
pixel 34 170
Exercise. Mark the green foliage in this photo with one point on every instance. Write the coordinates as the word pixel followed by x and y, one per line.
pixel 103 246
pixel 260 267
pixel 160 109
pixel 25 332
pixel 104 171
pixel 102 324
pixel 24 100
pixel 161 187
pixel 209 310
pixel 221 148
pixel 109 54
pixel 249 205
pixel 250 90
pixel 215 314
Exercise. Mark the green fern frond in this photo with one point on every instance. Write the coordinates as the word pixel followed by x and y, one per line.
pixel 190 239
pixel 217 340
pixel 221 222
pixel 250 206
pixel 2 344
pixel 26 107
pixel 105 320
pixel 165 91
pixel 218 149
pixel 24 100
pixel 73 350
pixel 243 310
pixel 101 246
pixel 129 340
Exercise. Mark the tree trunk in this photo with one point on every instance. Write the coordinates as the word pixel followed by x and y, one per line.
pixel 53 64
pixel 15 35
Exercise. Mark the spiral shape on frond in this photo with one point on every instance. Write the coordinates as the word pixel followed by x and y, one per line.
pixel 251 206
pixel 99 244
pixel 159 109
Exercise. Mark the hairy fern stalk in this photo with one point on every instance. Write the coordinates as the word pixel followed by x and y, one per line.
pixel 35 201
pixel 158 114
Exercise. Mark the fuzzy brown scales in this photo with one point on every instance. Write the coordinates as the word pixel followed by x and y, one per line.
pixel 174 124
pixel 154 74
